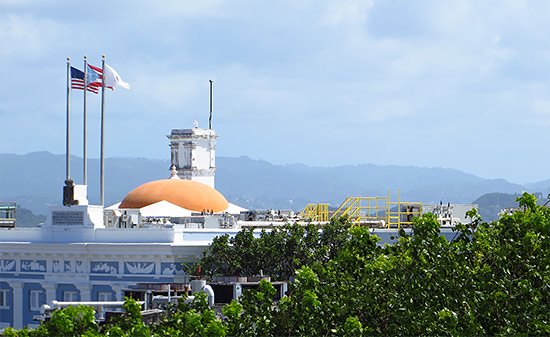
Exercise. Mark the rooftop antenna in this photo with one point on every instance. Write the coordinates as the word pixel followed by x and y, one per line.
pixel 210 119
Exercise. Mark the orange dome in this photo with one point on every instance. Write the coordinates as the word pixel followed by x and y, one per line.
pixel 188 194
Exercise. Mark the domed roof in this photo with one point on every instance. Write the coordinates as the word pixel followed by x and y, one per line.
pixel 188 194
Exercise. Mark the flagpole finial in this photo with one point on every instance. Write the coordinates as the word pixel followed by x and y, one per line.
pixel 68 59
pixel 103 57
pixel 85 57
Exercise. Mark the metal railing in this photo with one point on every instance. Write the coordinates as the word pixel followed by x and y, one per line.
pixel 315 212
pixel 379 211
pixel 7 214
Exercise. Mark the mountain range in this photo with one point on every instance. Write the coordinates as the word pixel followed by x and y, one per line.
pixel 35 180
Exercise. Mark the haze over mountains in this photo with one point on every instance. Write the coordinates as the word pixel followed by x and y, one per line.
pixel 35 180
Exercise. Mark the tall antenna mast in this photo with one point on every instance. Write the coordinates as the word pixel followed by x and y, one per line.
pixel 210 119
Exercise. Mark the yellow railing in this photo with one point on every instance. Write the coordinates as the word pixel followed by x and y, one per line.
pixel 379 211
pixel 315 212
pixel 7 214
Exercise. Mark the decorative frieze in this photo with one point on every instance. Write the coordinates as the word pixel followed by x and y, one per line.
pixel 104 267
pixel 7 266
pixel 63 268
pixel 80 267
pixel 172 268
pixel 139 268
pixel 33 266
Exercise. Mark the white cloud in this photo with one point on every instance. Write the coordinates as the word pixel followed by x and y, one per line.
pixel 177 9
pixel 395 69
pixel 351 13
pixel 24 36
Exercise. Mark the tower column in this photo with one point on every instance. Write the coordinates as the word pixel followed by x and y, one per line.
pixel 193 153
pixel 17 303
pixel 51 289
pixel 85 292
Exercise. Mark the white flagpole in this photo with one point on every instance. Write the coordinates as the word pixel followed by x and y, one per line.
pixel 102 158
pixel 85 127
pixel 68 130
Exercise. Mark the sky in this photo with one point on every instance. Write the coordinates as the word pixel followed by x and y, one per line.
pixel 459 84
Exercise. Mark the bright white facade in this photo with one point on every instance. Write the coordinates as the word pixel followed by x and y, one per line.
pixel 74 256
pixel 87 253
pixel 82 255
pixel 193 153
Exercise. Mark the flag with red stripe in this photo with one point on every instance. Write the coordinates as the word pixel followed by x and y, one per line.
pixel 77 81
pixel 99 72
pixel 94 77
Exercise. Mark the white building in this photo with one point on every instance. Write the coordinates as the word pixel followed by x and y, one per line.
pixel 155 234
pixel 86 253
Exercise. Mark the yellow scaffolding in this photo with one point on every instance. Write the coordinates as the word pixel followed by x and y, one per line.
pixel 379 211
pixel 7 214
pixel 402 213
pixel 315 212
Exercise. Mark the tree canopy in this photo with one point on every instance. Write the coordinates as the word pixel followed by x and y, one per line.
pixel 492 279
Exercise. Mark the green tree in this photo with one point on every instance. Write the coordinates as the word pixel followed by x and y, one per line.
pixel 300 312
pixel 253 316
pixel 130 324
pixel 492 279
pixel 277 253
pixel 73 321
pixel 194 319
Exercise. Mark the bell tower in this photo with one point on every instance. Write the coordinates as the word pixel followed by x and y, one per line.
pixel 193 153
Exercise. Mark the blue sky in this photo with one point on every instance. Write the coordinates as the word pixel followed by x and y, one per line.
pixel 456 84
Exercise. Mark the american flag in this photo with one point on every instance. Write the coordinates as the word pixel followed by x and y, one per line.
pixel 93 83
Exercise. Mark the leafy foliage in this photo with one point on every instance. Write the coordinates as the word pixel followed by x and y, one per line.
pixel 72 321
pixel 492 279
pixel 253 316
pixel 128 325
pixel 277 253
pixel 194 319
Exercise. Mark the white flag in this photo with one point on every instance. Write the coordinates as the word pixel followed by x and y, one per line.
pixel 112 78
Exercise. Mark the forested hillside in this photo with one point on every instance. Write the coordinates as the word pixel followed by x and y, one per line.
pixel 35 180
